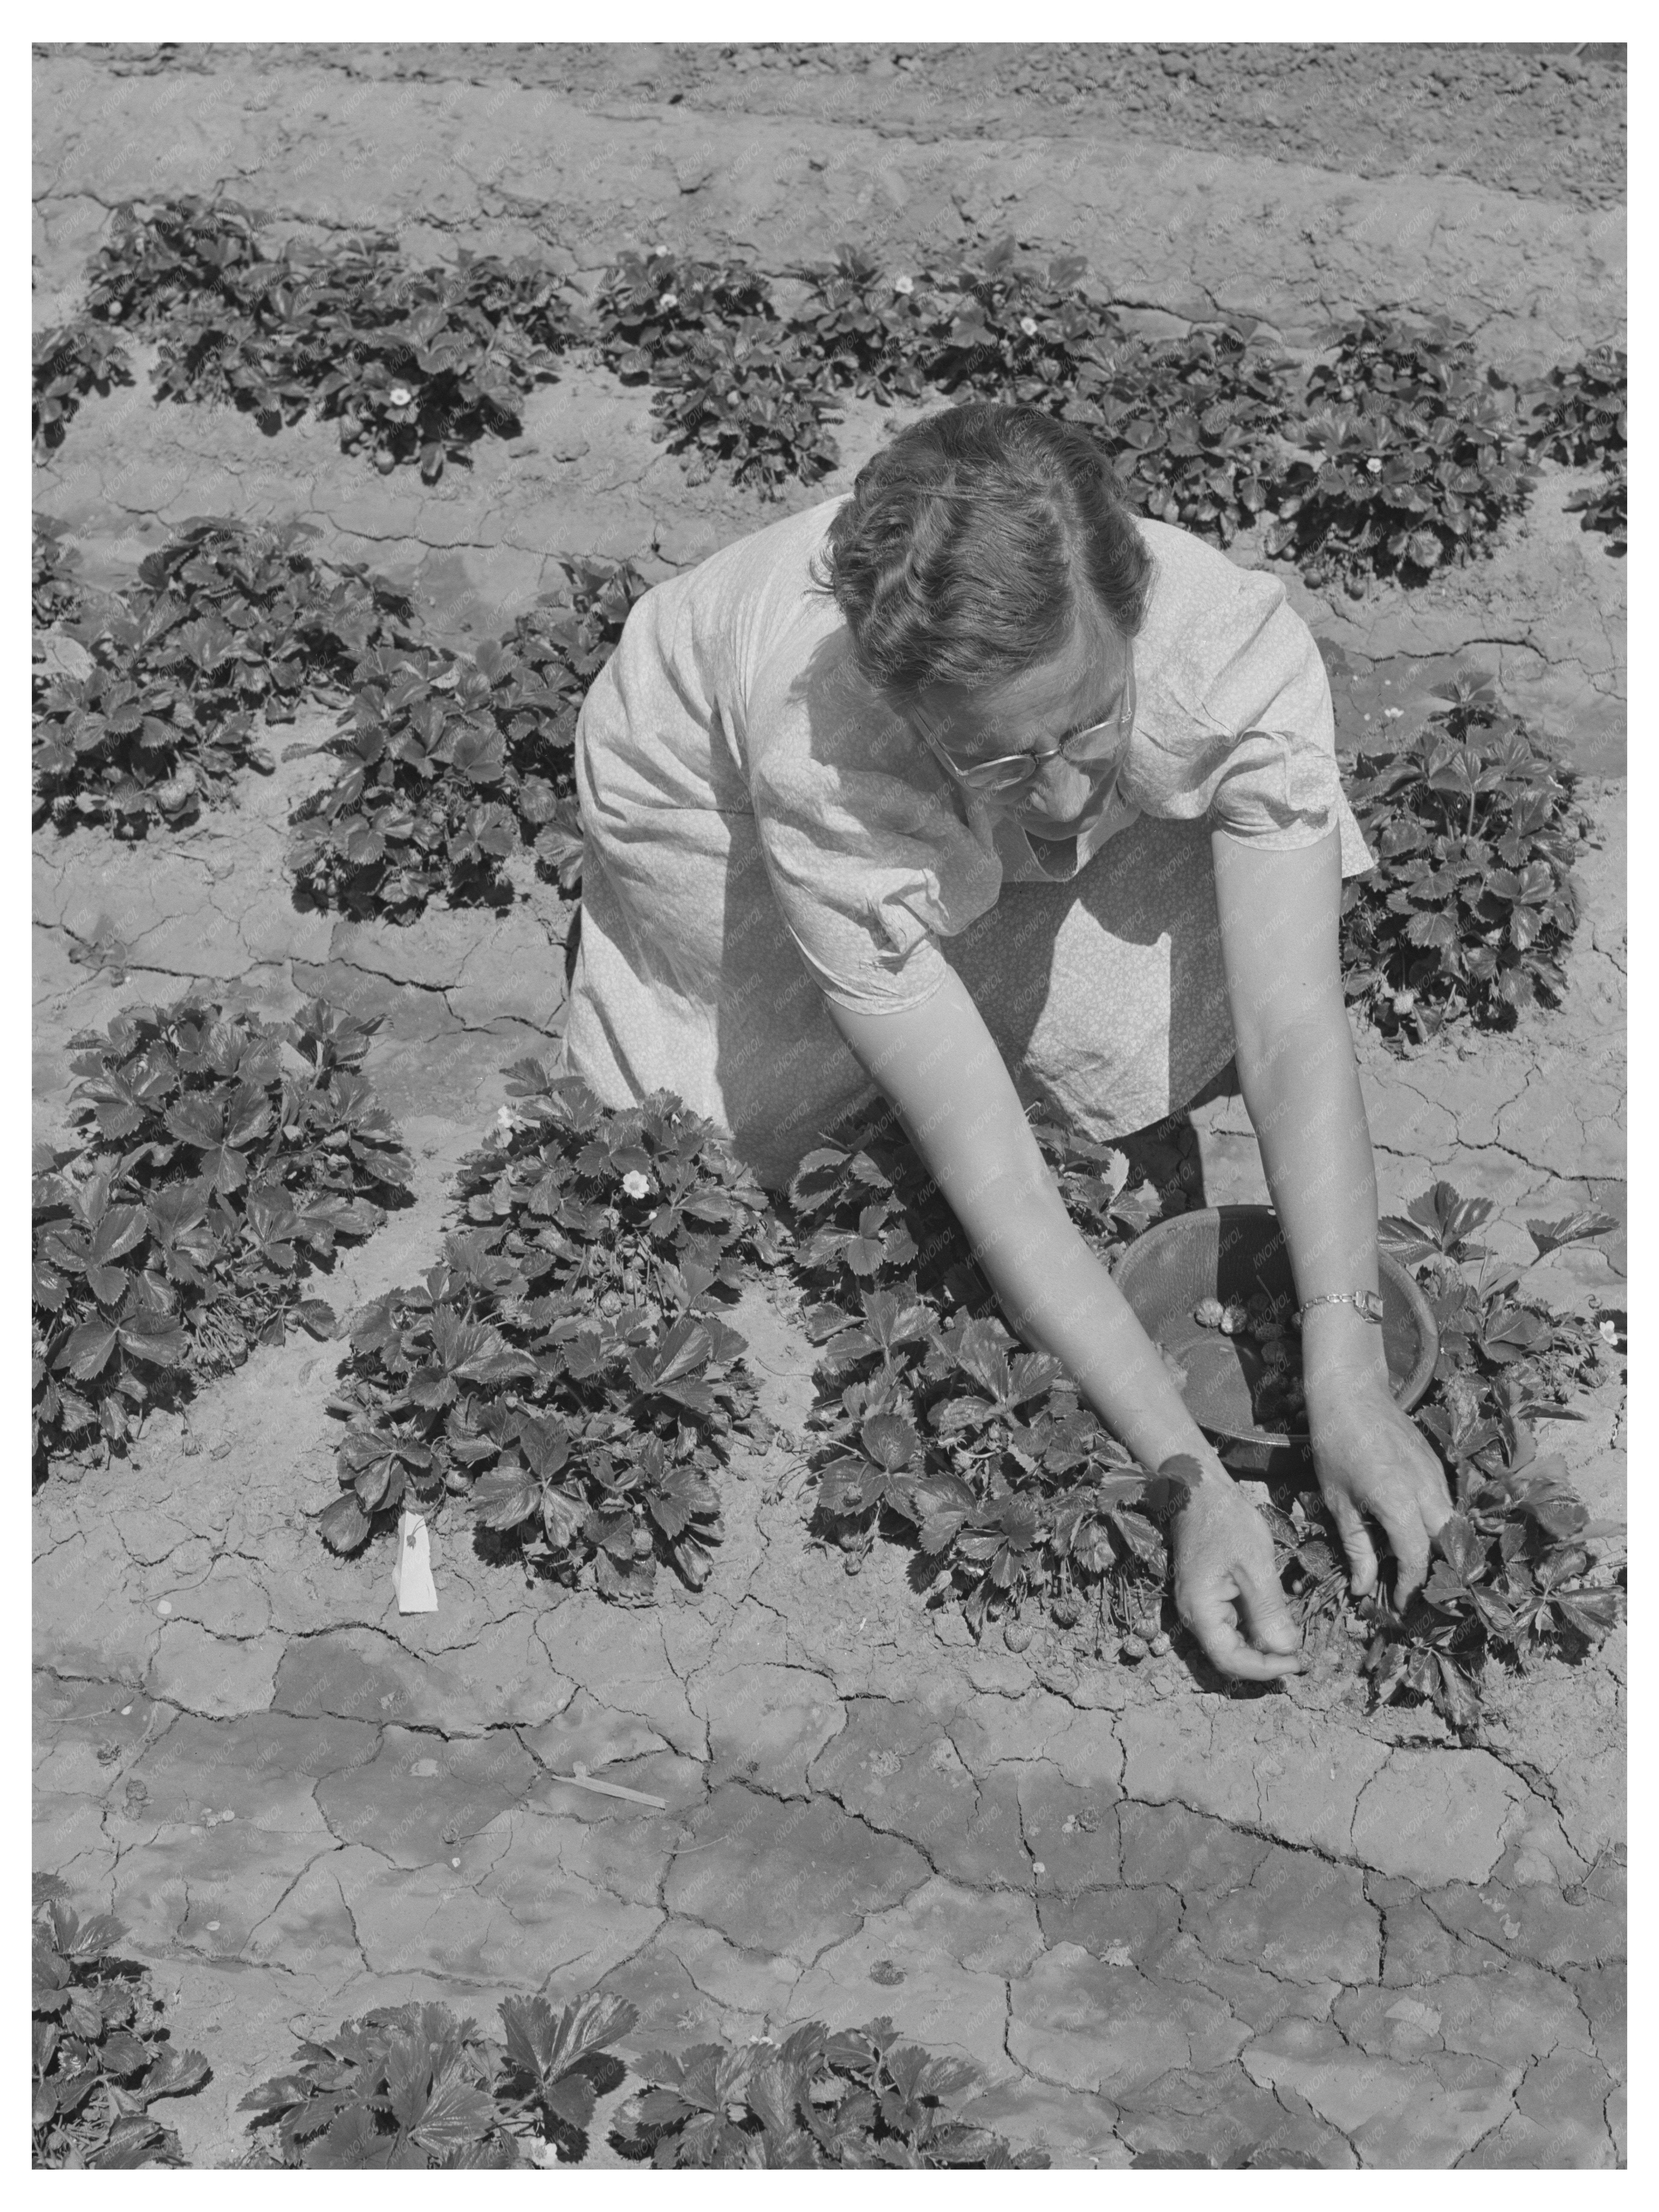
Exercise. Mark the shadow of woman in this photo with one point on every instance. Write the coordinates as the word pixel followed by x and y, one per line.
pixel 1107 997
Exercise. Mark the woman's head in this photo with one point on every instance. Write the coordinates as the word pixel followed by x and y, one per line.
pixel 991 577
pixel 977 544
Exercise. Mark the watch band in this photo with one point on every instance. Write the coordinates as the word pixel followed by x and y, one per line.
pixel 1369 1302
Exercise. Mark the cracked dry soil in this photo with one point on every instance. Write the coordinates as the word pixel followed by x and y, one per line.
pixel 1161 1916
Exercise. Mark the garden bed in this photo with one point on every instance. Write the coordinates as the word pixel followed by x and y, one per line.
pixel 1168 1920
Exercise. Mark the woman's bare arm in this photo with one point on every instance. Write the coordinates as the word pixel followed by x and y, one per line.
pixel 1279 914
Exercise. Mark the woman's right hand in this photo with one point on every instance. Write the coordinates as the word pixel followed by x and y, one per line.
pixel 1225 1582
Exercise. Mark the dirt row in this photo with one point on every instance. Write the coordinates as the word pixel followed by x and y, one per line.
pixel 507 167
pixel 1205 1923
pixel 1547 121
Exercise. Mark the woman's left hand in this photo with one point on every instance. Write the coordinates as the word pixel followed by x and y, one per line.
pixel 1372 1459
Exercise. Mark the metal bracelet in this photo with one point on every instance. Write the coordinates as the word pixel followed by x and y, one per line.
pixel 1369 1302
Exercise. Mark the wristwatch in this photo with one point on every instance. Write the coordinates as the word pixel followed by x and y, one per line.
pixel 1369 1302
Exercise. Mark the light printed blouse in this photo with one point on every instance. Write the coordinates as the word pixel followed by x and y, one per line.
pixel 761 827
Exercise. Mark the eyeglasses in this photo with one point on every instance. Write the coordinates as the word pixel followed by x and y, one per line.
pixel 1089 749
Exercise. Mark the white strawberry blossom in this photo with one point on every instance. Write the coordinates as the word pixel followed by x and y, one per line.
pixel 906 284
pixel 400 395
pixel 669 299
pixel 635 1184
pixel 1028 324
pixel 1374 465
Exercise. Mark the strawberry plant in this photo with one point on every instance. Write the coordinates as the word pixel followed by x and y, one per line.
pixel 405 2087
pixel 220 1160
pixel 556 2064
pixel 55 590
pixel 422 800
pixel 866 1213
pixel 150 708
pixel 411 2086
pixel 1194 426
pixel 439 357
pixel 414 364
pixel 561 650
pixel 998 329
pixel 212 354
pixel 737 390
pixel 1509 1578
pixel 1485 1332
pixel 100 2056
pixel 1512 1578
pixel 1109 1198
pixel 165 255
pixel 524 292
pixel 1578 413
pixel 931 1422
pixel 1411 457
pixel 71 360
pixel 564 1367
pixel 1579 418
pixel 852 2097
pixel 286 334
pixel 1010 1488
pixel 304 621
pixel 862 327
pixel 1606 506
pixel 742 391
pixel 449 764
pixel 1473 901
pixel 745 399
pixel 584 630
pixel 651 307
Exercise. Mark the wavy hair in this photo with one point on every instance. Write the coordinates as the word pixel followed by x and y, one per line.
pixel 968 543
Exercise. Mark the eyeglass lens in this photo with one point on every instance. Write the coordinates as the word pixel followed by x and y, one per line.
pixel 1087 748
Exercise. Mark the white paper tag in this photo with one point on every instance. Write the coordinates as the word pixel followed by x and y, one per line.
pixel 416 1593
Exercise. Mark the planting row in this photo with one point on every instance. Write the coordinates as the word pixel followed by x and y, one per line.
pixel 565 1377
pixel 1472 903
pixel 1396 453
pixel 565 1369
pixel 934 1429
pixel 450 764
pixel 413 2088
pixel 148 705
pixel 219 1161
pixel 565 1366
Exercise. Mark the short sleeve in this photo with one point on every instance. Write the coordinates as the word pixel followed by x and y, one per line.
pixel 868 872
pixel 1250 740
pixel 1277 785
pixel 869 860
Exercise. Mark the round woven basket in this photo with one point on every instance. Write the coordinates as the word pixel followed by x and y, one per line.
pixel 1233 1252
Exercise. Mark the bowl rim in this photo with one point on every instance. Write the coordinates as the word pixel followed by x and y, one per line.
pixel 1410 1393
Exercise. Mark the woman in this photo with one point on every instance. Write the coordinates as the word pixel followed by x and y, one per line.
pixel 806 777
